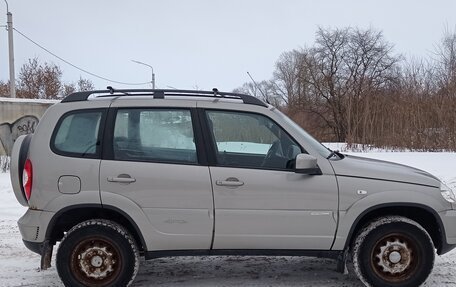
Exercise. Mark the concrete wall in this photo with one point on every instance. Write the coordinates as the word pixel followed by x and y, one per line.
pixel 19 117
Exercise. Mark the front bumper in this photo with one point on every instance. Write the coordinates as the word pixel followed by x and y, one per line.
pixel 448 218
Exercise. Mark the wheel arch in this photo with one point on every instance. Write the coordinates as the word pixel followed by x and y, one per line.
pixel 69 216
pixel 422 214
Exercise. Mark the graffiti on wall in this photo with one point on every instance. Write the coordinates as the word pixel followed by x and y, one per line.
pixel 10 132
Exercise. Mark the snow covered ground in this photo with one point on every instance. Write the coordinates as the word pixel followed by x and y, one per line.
pixel 19 266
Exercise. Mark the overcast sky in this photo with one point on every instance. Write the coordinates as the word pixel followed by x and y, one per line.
pixel 206 43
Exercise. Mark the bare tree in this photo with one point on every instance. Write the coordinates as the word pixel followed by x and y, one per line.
pixel 85 85
pixel 446 60
pixel 445 97
pixel 264 90
pixel 350 86
pixel 29 86
pixel 41 81
pixel 68 89
pixel 4 89
pixel 50 81
pixel 79 86
pixel 336 78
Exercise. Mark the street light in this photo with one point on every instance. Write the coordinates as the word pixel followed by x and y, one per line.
pixel 152 68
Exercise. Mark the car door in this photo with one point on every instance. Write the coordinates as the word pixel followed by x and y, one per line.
pixel 153 164
pixel 260 202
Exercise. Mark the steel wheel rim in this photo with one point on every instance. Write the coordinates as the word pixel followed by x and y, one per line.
pixel 395 257
pixel 96 261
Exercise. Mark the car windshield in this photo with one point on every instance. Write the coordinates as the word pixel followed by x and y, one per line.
pixel 316 145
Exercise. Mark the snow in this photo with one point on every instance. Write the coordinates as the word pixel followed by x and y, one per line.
pixel 440 164
pixel 19 266
pixel 22 100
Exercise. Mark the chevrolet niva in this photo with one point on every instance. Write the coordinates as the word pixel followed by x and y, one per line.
pixel 114 175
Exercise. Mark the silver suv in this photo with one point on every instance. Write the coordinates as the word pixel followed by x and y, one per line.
pixel 117 174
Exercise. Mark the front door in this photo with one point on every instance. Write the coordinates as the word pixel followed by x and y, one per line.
pixel 154 172
pixel 260 203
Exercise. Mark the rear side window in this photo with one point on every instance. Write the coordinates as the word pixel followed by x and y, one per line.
pixel 156 135
pixel 78 134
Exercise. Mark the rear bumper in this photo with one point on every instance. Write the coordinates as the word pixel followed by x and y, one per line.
pixel 36 247
pixel 33 225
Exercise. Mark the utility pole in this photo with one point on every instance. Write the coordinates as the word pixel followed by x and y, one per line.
pixel 9 27
pixel 153 80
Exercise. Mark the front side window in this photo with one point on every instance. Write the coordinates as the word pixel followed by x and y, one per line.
pixel 321 149
pixel 77 134
pixel 157 135
pixel 251 140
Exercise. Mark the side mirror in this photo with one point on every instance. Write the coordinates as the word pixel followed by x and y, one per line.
pixel 307 164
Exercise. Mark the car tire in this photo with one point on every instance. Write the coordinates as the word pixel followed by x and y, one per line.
pixel 97 253
pixel 393 251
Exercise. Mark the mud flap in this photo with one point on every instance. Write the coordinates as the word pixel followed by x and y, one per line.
pixel 46 255
pixel 342 262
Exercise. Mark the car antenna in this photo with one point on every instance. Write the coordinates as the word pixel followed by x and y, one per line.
pixel 258 87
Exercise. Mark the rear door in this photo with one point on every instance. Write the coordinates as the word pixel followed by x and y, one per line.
pixel 153 163
pixel 260 202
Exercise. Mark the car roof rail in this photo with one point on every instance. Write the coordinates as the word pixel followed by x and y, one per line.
pixel 160 94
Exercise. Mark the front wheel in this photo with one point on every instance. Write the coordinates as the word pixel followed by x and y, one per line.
pixel 97 253
pixel 393 251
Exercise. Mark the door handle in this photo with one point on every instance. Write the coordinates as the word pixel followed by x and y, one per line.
pixel 122 178
pixel 231 182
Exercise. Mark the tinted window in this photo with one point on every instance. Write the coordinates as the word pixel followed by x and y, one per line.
pixel 154 135
pixel 77 134
pixel 251 140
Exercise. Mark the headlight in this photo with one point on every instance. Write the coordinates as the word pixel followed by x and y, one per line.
pixel 447 193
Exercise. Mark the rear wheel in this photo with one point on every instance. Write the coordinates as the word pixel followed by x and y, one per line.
pixel 393 251
pixel 97 253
